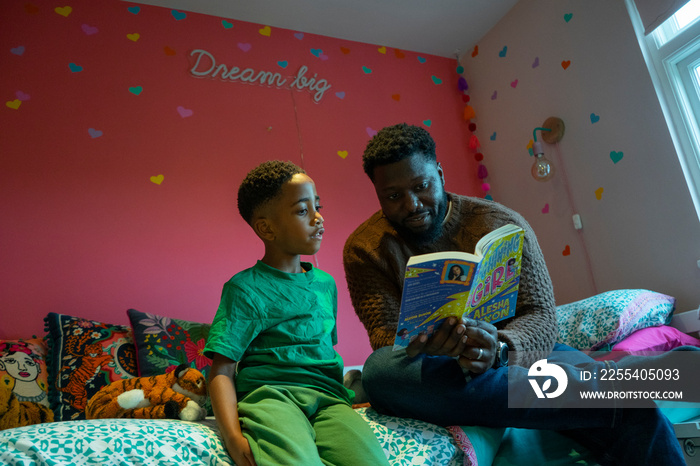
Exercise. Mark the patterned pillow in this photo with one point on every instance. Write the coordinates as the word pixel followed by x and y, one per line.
pixel 607 318
pixel 163 343
pixel 25 362
pixel 84 356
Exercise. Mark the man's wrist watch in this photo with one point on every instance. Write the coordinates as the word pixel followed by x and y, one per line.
pixel 501 354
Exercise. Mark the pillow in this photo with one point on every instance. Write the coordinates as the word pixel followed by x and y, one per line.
pixel 663 338
pixel 609 317
pixel 25 362
pixel 163 343
pixel 84 356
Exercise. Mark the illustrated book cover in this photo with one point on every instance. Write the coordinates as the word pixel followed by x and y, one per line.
pixel 482 285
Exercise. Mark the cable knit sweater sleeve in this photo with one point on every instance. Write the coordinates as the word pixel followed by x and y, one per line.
pixel 375 258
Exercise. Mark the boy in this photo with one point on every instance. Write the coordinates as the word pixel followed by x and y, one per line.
pixel 275 329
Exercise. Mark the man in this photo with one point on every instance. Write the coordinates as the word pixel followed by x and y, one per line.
pixel 459 375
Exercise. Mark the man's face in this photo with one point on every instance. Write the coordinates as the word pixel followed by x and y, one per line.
pixel 412 196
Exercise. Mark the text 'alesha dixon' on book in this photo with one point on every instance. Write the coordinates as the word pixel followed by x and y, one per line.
pixel 482 285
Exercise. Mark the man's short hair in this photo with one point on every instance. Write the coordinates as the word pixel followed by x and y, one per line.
pixel 262 184
pixel 395 143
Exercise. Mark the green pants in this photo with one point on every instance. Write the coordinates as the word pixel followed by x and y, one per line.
pixel 301 426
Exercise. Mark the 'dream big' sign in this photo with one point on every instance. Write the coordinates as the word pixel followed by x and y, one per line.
pixel 205 67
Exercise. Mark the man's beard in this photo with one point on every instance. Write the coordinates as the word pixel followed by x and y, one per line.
pixel 428 236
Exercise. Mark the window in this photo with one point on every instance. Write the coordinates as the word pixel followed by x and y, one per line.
pixel 672 54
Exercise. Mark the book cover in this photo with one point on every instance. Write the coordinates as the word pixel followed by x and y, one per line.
pixel 482 285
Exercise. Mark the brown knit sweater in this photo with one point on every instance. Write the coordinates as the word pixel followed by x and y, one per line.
pixel 375 259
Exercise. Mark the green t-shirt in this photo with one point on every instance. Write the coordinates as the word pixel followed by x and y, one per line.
pixel 281 328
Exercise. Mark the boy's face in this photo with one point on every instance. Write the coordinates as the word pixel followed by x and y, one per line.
pixel 295 218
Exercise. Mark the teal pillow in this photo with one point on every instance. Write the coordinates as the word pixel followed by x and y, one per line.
pixel 607 318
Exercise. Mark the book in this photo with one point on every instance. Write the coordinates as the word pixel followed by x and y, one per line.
pixel 482 285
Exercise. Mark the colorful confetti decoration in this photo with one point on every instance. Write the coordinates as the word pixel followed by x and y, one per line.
pixel 536 63
pixel 366 70
pixel 265 31
pixel 594 118
pixel 545 209
pixel 244 46
pixel 475 52
pixel 503 51
pixel 94 133
pixel 282 63
pixel 599 193
pixel 436 80
pixel 89 30
pixel 13 104
pixel 136 90
pixel 226 24
pixel 340 94
pixel 133 37
pixel 566 251
pixel 75 68
pixel 565 64
pixel 382 50
pixel 568 16
pixel 19 50
pixel 178 15
pixel 157 179
pixel 342 154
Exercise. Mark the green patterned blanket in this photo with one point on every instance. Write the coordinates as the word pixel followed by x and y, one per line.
pixel 171 442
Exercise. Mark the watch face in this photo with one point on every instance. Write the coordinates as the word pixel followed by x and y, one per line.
pixel 503 354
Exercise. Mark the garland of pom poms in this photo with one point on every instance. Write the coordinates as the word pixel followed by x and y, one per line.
pixel 474 145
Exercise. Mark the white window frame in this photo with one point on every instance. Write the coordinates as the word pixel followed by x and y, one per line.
pixel 670 66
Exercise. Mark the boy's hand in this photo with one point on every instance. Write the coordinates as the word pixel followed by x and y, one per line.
pixel 239 449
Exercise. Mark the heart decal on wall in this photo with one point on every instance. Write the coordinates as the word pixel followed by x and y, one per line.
pixel 616 156
pixel 157 179
pixel 342 153
pixel 89 30
pixel 63 11
pixel 13 104
pixel 184 112
pixel 136 90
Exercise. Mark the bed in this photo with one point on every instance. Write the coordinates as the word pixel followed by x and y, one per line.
pixel 622 320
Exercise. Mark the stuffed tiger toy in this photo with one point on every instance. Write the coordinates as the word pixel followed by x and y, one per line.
pixel 178 394
pixel 15 413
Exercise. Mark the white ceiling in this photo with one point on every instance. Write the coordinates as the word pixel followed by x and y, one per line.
pixel 445 28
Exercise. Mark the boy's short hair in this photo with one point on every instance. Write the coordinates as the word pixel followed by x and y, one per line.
pixel 395 143
pixel 262 184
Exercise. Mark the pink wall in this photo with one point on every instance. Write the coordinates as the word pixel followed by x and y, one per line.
pixel 84 229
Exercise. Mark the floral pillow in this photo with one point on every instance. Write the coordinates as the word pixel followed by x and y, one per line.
pixel 84 356
pixel 24 361
pixel 163 343
pixel 607 318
